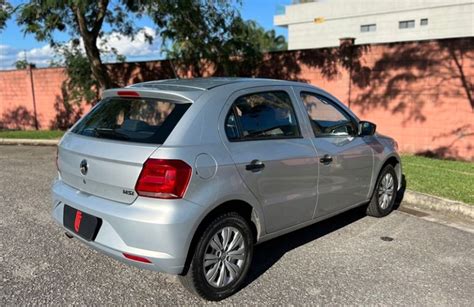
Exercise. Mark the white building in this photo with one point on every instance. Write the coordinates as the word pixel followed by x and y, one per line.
pixel 321 23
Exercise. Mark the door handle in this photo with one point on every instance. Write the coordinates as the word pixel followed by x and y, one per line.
pixel 326 159
pixel 255 166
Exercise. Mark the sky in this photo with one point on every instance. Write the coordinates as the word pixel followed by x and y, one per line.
pixel 14 43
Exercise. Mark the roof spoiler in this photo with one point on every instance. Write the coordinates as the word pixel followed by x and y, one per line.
pixel 145 93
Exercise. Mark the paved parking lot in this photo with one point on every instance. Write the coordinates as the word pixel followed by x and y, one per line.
pixel 350 259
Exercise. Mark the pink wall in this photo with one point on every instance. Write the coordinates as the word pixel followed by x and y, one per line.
pixel 420 93
pixel 17 107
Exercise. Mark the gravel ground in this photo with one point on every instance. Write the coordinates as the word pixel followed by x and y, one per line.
pixel 350 259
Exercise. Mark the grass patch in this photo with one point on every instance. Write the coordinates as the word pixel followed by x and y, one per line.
pixel 444 178
pixel 31 134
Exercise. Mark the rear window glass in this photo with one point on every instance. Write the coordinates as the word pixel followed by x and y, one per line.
pixel 264 115
pixel 142 120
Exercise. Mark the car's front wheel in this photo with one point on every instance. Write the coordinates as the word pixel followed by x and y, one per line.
pixel 385 193
pixel 221 258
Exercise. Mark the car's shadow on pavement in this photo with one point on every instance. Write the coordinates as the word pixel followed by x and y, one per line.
pixel 268 253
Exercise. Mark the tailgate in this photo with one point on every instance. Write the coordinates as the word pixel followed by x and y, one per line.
pixel 110 169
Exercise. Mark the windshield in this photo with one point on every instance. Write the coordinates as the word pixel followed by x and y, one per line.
pixel 143 120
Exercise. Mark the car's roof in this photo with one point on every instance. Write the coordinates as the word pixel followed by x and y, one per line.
pixel 202 84
pixel 189 90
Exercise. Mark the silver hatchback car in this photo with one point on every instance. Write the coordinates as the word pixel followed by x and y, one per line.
pixel 186 176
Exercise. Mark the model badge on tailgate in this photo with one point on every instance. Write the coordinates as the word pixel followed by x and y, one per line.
pixel 128 192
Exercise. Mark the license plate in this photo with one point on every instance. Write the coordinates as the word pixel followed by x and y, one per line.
pixel 85 225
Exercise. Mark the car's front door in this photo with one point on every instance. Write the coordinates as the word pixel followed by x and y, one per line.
pixel 277 164
pixel 346 160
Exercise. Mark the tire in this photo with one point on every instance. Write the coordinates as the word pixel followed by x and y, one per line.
pixel 378 206
pixel 217 288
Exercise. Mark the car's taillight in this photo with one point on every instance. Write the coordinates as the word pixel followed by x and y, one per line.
pixel 163 178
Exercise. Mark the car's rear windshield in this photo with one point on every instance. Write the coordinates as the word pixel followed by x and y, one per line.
pixel 142 120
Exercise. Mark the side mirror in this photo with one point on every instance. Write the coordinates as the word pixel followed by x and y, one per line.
pixel 366 128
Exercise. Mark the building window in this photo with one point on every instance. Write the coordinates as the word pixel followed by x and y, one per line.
pixel 424 22
pixel 406 24
pixel 368 28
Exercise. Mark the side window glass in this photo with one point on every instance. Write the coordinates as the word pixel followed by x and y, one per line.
pixel 231 128
pixel 265 115
pixel 326 119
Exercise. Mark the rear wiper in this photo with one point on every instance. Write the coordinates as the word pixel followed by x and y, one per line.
pixel 106 132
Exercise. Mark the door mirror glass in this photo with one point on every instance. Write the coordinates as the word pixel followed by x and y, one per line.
pixel 366 128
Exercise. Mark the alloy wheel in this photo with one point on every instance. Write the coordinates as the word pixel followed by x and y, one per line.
pixel 385 191
pixel 224 257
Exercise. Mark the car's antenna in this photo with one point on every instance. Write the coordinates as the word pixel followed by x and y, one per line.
pixel 174 70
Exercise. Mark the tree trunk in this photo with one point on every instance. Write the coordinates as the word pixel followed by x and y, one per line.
pixel 98 69
pixel 89 38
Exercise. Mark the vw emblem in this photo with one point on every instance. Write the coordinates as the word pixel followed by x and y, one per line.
pixel 83 167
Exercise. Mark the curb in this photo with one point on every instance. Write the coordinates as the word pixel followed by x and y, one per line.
pixel 434 203
pixel 35 142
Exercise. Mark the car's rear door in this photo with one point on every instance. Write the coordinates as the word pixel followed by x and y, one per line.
pixel 345 159
pixel 276 162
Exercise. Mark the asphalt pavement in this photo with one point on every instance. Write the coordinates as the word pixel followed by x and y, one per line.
pixel 350 259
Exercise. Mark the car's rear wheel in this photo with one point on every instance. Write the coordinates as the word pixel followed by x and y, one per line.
pixel 385 193
pixel 221 258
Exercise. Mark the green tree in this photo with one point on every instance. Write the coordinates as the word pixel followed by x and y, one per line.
pixel 210 36
pixel 266 41
pixel 23 64
pixel 199 33
pixel 80 84
pixel 85 19
pixel 81 19
pixel 5 12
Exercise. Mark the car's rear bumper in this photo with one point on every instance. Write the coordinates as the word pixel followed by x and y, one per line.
pixel 158 230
